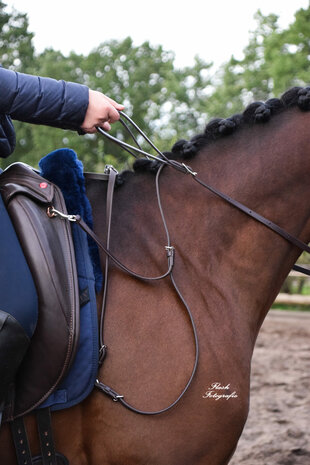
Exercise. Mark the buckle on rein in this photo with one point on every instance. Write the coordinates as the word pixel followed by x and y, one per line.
pixel 107 390
pixel 189 170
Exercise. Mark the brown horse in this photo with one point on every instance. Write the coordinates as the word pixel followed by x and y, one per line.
pixel 228 267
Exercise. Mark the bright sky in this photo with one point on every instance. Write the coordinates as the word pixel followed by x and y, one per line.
pixel 212 29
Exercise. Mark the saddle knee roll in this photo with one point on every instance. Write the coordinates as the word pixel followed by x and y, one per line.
pixel 13 346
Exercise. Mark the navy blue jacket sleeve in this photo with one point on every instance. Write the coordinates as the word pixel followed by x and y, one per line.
pixel 42 100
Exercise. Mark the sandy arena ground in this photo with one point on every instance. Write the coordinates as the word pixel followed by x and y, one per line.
pixel 278 428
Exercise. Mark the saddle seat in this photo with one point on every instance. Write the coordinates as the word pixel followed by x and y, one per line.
pixel 48 247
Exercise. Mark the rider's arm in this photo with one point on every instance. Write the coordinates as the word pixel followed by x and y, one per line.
pixel 62 104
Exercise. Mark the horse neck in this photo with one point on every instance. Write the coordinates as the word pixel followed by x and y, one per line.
pixel 228 265
pixel 240 263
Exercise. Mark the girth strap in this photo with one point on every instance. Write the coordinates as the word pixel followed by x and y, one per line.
pixel 21 443
pixel 61 459
pixel 48 453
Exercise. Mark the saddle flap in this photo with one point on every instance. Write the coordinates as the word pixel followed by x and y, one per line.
pixel 48 247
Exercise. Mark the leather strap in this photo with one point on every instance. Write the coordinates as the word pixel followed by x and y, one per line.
pixel 120 398
pixel 111 171
pixel 301 269
pixel 52 212
pixel 187 170
pixel 48 452
pixel 170 254
pixel 61 459
pixel 261 219
pixel 83 225
pixel 22 449
pixel 170 250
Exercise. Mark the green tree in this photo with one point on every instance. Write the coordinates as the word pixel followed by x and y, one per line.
pixel 274 60
pixel 247 79
pixel 17 53
pixel 156 95
pixel 287 54
pixel 159 97
pixel 168 103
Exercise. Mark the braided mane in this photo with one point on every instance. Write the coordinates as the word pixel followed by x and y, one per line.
pixel 256 112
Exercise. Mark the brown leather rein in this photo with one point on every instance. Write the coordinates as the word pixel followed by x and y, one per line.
pixel 111 173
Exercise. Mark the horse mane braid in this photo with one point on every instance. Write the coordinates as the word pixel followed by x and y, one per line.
pixel 255 113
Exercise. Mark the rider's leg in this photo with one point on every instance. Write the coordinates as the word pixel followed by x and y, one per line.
pixel 13 345
pixel 18 304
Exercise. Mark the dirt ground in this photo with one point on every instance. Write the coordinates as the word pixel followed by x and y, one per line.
pixel 278 428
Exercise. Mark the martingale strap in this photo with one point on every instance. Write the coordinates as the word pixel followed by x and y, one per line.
pixel 112 173
pixel 170 255
pixel 185 169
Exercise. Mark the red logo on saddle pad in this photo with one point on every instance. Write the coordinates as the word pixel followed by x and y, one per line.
pixel 43 185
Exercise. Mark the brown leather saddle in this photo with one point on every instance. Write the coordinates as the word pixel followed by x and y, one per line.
pixel 49 251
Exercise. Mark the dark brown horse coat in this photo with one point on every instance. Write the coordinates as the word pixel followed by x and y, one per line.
pixel 229 268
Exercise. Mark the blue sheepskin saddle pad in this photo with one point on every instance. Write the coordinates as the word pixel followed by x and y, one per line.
pixel 63 168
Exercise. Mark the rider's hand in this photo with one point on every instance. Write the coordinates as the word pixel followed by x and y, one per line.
pixel 101 111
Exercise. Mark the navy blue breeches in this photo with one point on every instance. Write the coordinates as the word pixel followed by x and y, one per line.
pixel 18 295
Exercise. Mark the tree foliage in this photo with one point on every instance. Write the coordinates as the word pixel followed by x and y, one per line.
pixel 273 61
pixel 168 103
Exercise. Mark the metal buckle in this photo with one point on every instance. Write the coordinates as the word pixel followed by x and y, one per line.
pixel 102 353
pixel 189 170
pixel 169 250
pixel 108 168
pixel 52 213
pixel 109 391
